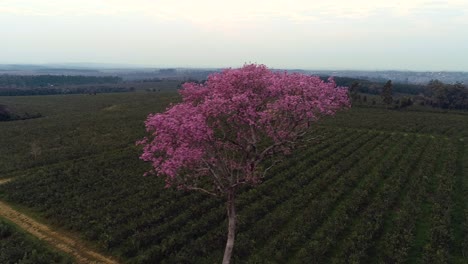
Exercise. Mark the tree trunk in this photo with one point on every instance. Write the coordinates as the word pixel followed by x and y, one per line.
pixel 231 212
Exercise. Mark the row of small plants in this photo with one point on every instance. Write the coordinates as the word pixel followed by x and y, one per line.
pixel 207 212
pixel 374 181
pixel 364 230
pixel 74 127
pixel 197 225
pixel 311 207
pixel 71 194
pixel 260 218
pixel 264 235
pixel 18 247
pixel 437 250
pixel 292 216
pixel 464 193
pixel 68 188
pixel 319 201
pixel 420 122
pixel 395 239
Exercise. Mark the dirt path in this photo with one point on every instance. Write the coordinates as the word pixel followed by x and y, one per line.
pixel 71 246
pixel 3 181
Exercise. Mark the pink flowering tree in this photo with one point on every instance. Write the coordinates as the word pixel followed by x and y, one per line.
pixel 217 138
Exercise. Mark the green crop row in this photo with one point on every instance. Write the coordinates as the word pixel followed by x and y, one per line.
pixel 367 189
pixel 394 242
pixel 18 247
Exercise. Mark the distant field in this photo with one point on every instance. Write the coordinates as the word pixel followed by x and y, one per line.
pixel 376 186
pixel 91 87
pixel 74 126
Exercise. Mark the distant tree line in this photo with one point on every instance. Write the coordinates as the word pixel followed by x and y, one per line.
pixel 34 81
pixel 64 90
pixel 435 93
pixel 7 115
pixel 371 87
pixel 150 80
pixel 167 71
pixel 447 96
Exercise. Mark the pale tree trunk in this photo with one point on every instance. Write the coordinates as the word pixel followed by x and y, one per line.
pixel 231 212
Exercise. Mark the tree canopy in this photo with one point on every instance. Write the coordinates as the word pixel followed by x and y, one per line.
pixel 387 92
pixel 226 126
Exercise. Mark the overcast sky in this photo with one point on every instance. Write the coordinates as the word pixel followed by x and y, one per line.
pixel 309 34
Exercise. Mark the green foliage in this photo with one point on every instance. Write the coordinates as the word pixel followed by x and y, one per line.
pixel 448 96
pixel 17 247
pixel 375 87
pixel 353 91
pixel 387 93
pixel 435 93
pixel 7 115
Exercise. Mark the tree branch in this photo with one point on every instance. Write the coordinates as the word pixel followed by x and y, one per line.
pixel 215 176
pixel 201 189
pixel 271 166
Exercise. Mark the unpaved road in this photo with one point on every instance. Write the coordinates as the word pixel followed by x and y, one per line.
pixel 3 181
pixel 65 243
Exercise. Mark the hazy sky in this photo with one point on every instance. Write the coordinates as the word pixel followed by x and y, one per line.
pixel 309 34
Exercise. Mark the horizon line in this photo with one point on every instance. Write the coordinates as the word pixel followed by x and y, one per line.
pixel 117 66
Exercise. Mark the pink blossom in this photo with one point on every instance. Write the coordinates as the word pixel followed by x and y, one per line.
pixel 221 131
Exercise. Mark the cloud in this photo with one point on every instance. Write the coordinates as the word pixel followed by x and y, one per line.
pixel 215 13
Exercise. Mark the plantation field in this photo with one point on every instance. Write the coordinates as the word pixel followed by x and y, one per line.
pixel 73 126
pixel 374 186
pixel 18 247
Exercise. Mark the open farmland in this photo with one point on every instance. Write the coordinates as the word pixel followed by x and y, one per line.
pixel 375 185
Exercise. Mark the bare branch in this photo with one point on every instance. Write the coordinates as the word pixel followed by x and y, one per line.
pixel 253 135
pixel 201 189
pixel 269 167
pixel 238 184
pixel 214 174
